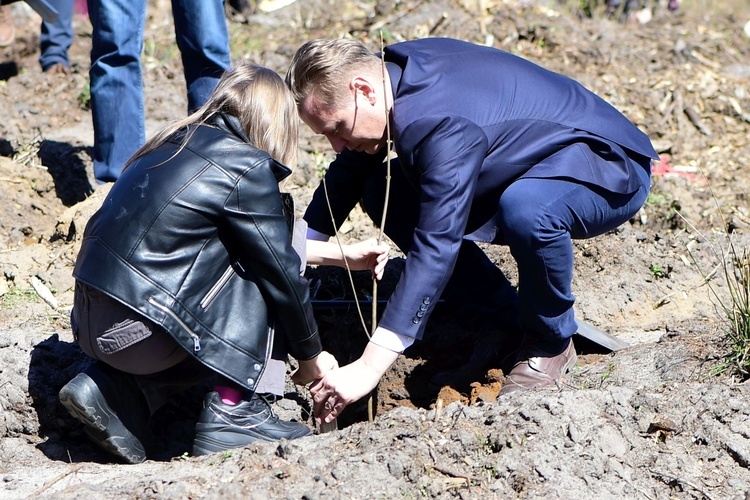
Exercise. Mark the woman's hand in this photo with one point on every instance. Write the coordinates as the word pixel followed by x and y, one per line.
pixel 314 369
pixel 368 254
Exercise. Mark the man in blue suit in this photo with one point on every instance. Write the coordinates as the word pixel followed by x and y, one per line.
pixel 490 147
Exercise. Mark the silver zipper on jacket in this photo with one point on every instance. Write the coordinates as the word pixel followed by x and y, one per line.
pixel 261 368
pixel 196 338
pixel 214 291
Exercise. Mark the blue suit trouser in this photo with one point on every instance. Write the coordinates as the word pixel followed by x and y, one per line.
pixel 538 219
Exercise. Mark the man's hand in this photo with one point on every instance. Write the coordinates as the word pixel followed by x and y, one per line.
pixel 314 369
pixel 342 386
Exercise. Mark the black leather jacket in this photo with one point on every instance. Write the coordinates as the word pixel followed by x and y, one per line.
pixel 199 241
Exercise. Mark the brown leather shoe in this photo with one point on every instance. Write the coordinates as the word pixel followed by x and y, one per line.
pixel 537 368
pixel 7 27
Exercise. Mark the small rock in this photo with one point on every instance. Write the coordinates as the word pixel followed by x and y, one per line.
pixel 396 469
pixel 573 433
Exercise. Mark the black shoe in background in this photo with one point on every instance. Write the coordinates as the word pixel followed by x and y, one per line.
pixel 112 409
pixel 221 426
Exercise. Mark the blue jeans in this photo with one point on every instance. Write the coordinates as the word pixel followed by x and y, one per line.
pixel 117 104
pixel 56 38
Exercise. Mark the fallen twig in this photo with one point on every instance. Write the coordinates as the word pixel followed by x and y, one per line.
pixel 696 120
pixel 664 300
pixel 398 15
pixel 46 486
pixel 734 103
pixel 43 292
pixel 451 473
pixel 680 480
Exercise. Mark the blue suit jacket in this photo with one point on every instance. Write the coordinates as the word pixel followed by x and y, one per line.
pixel 467 121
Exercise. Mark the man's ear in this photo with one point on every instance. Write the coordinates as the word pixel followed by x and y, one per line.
pixel 363 86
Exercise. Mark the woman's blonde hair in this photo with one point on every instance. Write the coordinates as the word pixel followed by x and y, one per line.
pixel 258 97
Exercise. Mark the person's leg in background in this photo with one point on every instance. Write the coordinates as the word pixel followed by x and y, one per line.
pixel 117 106
pixel 203 40
pixel 56 38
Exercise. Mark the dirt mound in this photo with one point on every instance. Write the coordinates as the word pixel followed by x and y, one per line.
pixel 647 421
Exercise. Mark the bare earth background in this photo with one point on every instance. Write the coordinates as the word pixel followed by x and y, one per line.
pixel 649 421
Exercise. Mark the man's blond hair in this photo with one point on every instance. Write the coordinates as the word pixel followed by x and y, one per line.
pixel 322 67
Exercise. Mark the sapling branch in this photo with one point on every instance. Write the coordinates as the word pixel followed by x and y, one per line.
pixel 370 411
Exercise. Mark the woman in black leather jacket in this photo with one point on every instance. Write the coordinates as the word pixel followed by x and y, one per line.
pixel 187 272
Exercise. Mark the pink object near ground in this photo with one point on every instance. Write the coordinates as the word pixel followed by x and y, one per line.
pixel 81 7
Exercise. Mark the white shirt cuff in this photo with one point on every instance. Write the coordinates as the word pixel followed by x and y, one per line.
pixel 391 340
pixel 312 234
